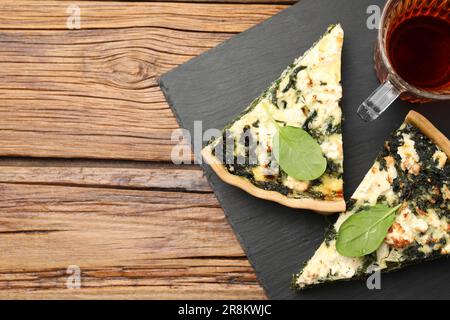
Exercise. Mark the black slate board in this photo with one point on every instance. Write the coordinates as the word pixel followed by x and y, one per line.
pixel 219 84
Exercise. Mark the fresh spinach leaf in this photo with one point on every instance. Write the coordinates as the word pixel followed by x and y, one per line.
pixel 298 154
pixel 363 232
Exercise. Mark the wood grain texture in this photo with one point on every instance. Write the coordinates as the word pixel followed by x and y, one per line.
pixel 128 243
pixel 213 1
pixel 154 177
pixel 92 93
pixel 136 229
pixel 201 17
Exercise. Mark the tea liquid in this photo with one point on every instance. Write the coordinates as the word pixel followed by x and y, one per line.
pixel 419 50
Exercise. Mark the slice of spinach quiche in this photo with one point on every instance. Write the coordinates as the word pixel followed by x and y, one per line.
pixel 287 145
pixel 399 215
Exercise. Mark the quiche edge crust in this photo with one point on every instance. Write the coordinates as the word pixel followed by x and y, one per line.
pixel 428 129
pixel 324 207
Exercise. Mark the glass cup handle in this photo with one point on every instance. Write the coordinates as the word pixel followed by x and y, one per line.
pixel 379 101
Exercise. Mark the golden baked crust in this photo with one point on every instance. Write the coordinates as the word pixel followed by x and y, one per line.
pixel 321 206
pixel 428 129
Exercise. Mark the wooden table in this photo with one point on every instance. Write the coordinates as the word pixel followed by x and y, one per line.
pixel 86 177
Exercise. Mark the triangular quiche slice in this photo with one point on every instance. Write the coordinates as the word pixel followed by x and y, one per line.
pixel 306 96
pixel 412 173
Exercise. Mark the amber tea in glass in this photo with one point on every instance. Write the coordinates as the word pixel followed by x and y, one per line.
pixel 412 56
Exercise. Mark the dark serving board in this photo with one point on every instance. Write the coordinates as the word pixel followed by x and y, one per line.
pixel 219 84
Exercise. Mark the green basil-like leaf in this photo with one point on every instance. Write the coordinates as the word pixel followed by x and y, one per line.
pixel 298 154
pixel 364 232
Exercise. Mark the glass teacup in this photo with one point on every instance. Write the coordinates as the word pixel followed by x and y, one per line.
pixel 412 55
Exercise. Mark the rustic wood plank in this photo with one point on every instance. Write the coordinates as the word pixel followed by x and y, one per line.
pixel 128 243
pixel 150 177
pixel 202 17
pixel 207 291
pixel 101 102
pixel 216 1
pixel 210 1
pixel 93 93
pixel 185 278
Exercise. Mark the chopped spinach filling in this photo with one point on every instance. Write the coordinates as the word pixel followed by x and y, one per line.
pixel 420 190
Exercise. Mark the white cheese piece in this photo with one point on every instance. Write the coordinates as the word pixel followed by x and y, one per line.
pixel 438 227
pixel 392 171
pixel 297 185
pixel 441 158
pixel 332 147
pixel 375 184
pixel 408 153
pixel 406 229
